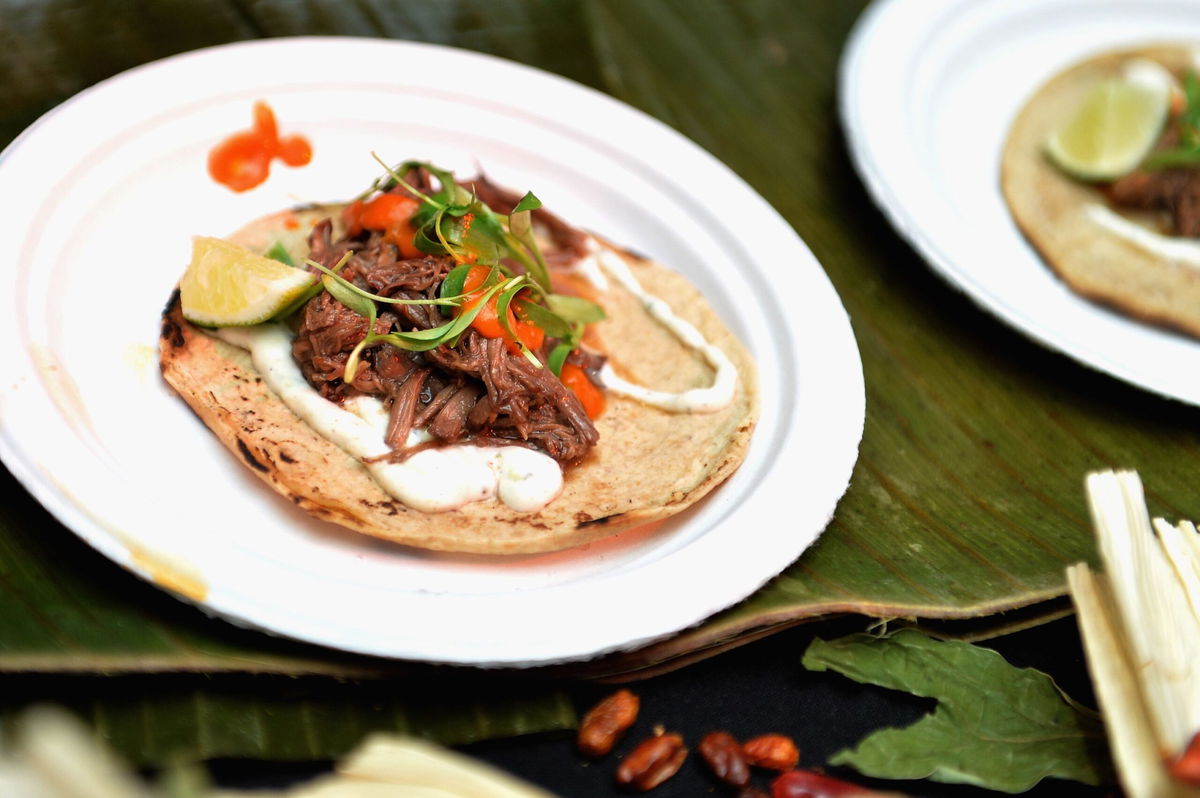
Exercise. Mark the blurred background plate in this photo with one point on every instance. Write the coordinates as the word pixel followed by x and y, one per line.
pixel 928 90
pixel 102 196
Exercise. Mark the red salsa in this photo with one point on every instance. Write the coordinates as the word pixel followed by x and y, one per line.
pixel 243 160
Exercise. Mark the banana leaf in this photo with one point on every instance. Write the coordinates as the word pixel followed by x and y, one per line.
pixel 967 497
pixel 185 717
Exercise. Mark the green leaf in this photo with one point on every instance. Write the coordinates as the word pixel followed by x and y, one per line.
pixel 488 235
pixel 349 288
pixel 558 356
pixel 452 284
pixel 279 252
pixel 424 340
pixel 1187 153
pixel 342 292
pixel 502 304
pixel 160 720
pixel 551 323
pixel 1171 159
pixel 575 308
pixel 995 726
pixel 528 203
pixel 520 224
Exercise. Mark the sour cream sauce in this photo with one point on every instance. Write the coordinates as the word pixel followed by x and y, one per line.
pixel 696 400
pixel 1179 250
pixel 434 480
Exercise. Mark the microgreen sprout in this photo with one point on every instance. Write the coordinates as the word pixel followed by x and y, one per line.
pixel 1187 123
pixel 455 222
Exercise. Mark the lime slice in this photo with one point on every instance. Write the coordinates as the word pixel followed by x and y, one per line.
pixel 229 286
pixel 1114 128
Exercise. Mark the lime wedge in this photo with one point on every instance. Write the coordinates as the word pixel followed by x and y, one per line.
pixel 1110 133
pixel 227 285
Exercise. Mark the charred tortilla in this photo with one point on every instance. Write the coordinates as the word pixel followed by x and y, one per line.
pixel 649 464
pixel 1051 208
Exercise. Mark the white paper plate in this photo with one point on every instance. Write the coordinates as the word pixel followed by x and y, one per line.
pixel 101 198
pixel 928 91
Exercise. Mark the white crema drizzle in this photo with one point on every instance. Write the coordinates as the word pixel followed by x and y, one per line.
pixel 433 480
pixel 1175 249
pixel 696 400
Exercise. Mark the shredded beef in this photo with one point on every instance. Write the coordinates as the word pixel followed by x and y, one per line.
pixel 404 407
pixel 1176 191
pixel 450 423
pixel 476 391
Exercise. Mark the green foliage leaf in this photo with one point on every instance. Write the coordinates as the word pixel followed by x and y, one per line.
pixel 502 306
pixel 168 719
pixel 341 291
pixel 558 356
pixel 551 323
pixel 279 252
pixel 1187 151
pixel 575 308
pixel 995 725
pixel 452 284
pixel 528 203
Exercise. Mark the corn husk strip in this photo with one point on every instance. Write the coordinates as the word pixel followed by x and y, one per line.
pixel 55 757
pixel 1141 628
pixel 1182 545
pixel 1153 604
pixel 1131 734
pixel 387 766
pixel 407 762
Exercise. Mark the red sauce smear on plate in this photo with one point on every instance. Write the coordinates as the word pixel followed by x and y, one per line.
pixel 243 160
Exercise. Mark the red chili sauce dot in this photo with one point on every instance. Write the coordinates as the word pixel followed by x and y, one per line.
pixel 243 160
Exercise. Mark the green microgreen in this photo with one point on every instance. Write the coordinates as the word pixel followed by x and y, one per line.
pixel 424 340
pixel 452 284
pixel 344 292
pixel 503 303
pixel 418 340
pixel 551 323
pixel 528 203
pixel 452 300
pixel 575 308
pixel 558 356
pixel 313 289
pixel 1187 151
pixel 279 252
pixel 453 221
pixel 442 227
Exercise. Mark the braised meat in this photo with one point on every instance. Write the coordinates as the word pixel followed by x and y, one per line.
pixel 1176 191
pixel 476 391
